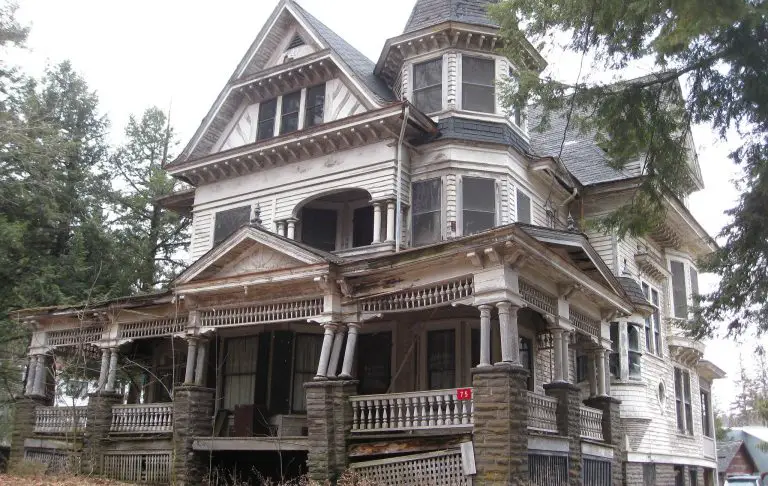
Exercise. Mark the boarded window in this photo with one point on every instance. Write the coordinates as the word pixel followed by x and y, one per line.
pixel 523 207
pixel 428 85
pixel 289 120
pixel 479 199
pixel 240 367
pixel 426 212
pixel 306 357
pixel 229 221
pixel 633 331
pixel 478 85
pixel 441 359
pixel 679 294
pixel 315 110
pixel 318 228
pixel 267 113
pixel 613 361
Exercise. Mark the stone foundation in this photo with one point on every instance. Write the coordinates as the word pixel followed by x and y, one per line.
pixel 612 432
pixel 329 425
pixel 192 417
pixel 23 426
pixel 568 414
pixel 500 395
pixel 96 436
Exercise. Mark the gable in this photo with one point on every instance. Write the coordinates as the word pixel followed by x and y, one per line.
pixel 280 44
pixel 249 257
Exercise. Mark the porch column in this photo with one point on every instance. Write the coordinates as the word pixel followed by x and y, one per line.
pixel 376 222
pixel 557 338
pixel 31 368
pixel 200 369
pixel 281 228
pixel 112 375
pixel 593 356
pixel 189 376
pixel 485 336
pixel 325 353
pixel 510 348
pixel 349 352
pixel 104 368
pixel 390 220
pixel 602 378
pixel 292 228
pixel 566 357
pixel 39 376
pixel 338 341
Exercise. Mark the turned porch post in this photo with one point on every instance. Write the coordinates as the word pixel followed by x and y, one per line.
pixel 189 375
pixel 557 338
pixel 510 338
pixel 566 357
pixel 292 229
pixel 104 372
pixel 31 369
pixel 349 352
pixel 376 222
pixel 338 342
pixel 485 336
pixel 201 368
pixel 325 353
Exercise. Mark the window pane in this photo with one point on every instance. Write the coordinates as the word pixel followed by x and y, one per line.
pixel 478 71
pixel 479 194
pixel 429 100
pixel 478 98
pixel 428 74
pixel 315 111
pixel 634 364
pixel 426 228
pixel 229 221
pixel 426 211
pixel 679 294
pixel 318 228
pixel 694 286
pixel 634 337
pixel 426 196
pixel 441 359
pixel 290 116
pixel 374 362
pixel 267 111
pixel 523 208
pixel 477 221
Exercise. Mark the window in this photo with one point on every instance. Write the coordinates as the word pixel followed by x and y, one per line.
pixel 683 407
pixel 479 199
pixel 613 360
pixel 679 476
pixel 362 226
pixel 315 110
pixel 374 363
pixel 426 211
pixel 229 221
pixel 694 287
pixel 633 334
pixel 478 84
pixel 526 359
pixel 523 207
pixel 289 120
pixel 679 293
pixel 318 228
pixel 649 474
pixel 306 356
pixel 441 359
pixel 653 322
pixel 428 85
pixel 693 474
pixel 267 113
pixel 240 367
pixel 706 417
pixel 582 368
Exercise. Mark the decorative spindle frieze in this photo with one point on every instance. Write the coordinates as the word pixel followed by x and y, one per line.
pixel 153 418
pixel 584 323
pixel 299 310
pixel 538 298
pixel 85 334
pixel 423 298
pixel 152 328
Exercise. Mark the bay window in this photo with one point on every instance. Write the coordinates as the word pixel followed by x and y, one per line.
pixel 428 85
pixel 478 84
pixel 426 211
pixel 524 208
pixel 289 120
pixel 479 204
pixel 683 408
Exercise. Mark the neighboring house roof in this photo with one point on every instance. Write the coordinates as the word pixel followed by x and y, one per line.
pixel 361 67
pixel 755 439
pixel 427 13
pixel 726 451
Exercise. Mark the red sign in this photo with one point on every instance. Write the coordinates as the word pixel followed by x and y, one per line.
pixel 464 394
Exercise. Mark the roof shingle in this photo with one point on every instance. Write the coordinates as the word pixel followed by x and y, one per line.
pixel 427 13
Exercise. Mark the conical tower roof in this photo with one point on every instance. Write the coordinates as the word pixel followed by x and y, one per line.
pixel 427 13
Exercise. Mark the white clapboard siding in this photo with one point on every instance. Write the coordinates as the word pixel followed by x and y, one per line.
pixel 604 246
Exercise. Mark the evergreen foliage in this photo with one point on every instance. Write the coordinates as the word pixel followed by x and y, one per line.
pixel 712 59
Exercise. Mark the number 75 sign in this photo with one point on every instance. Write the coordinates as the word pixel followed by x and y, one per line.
pixel 464 394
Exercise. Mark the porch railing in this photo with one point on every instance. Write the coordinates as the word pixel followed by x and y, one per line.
pixel 60 420
pixel 412 411
pixel 153 418
pixel 542 413
pixel 591 423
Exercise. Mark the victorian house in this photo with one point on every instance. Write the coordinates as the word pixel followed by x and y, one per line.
pixel 386 275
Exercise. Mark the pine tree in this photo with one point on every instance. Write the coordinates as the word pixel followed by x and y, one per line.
pixel 717 50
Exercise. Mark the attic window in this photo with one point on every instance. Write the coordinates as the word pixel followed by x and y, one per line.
pixel 297 41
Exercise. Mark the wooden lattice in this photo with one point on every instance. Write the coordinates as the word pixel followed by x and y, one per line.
pixel 56 462
pixel 142 467
pixel 152 328
pixel 433 468
pixel 583 322
pixel 422 298
pixel 537 297
pixel 262 314
pixel 75 336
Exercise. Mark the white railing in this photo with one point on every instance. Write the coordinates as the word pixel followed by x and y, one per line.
pixel 591 423
pixel 709 447
pixel 542 413
pixel 60 420
pixel 411 411
pixel 154 418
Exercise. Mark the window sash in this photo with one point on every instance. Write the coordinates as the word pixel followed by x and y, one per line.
pixel 289 119
pixel 306 355
pixel 426 212
pixel 679 292
pixel 228 221
pixel 428 85
pixel 523 207
pixel 267 117
pixel 478 92
pixel 479 210
pixel 315 106
pixel 706 425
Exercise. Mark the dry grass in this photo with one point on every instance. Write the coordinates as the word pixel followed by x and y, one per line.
pixel 35 480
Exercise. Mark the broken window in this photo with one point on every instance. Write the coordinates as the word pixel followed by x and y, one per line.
pixel 315 110
pixel 426 212
pixel 479 200
pixel 441 359
pixel 290 116
pixel 318 228
pixel 478 86
pixel 267 113
pixel 229 221
pixel 523 207
pixel 428 85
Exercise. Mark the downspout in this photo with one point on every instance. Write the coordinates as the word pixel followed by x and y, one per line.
pixel 399 204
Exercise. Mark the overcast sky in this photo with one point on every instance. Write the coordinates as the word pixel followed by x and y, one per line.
pixel 180 53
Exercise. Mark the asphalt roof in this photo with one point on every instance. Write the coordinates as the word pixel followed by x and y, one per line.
pixel 427 13
pixel 362 67
pixel 633 290
pixel 725 453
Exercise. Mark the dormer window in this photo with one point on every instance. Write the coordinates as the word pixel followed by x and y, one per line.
pixel 478 84
pixel 290 117
pixel 428 85
pixel 267 112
